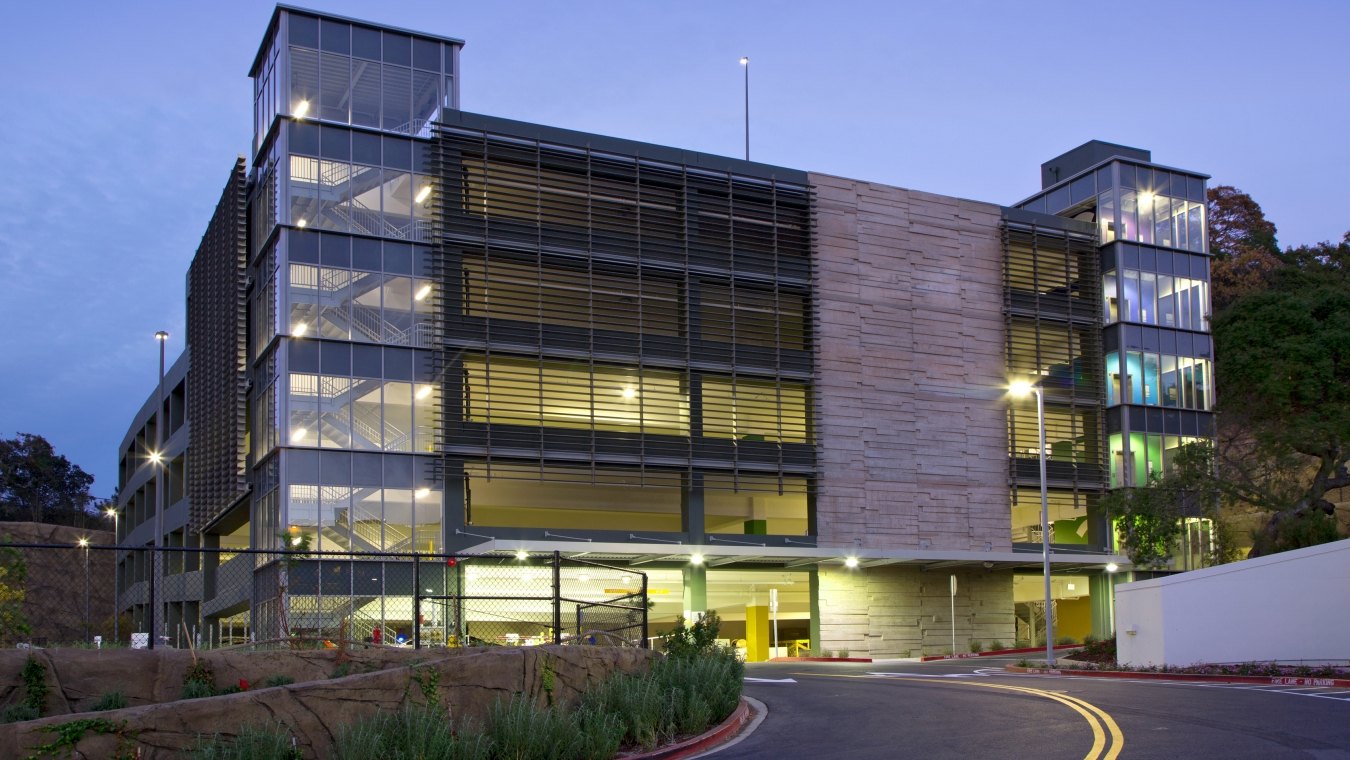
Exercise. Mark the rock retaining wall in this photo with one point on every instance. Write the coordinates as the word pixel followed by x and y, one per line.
pixel 467 683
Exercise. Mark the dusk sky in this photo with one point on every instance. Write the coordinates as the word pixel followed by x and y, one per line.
pixel 122 120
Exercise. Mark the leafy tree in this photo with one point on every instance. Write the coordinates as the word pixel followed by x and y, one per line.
pixel 1242 240
pixel 13 592
pixel 1283 370
pixel 1236 222
pixel 1150 519
pixel 38 484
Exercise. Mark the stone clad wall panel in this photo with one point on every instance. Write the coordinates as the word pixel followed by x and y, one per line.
pixel 910 369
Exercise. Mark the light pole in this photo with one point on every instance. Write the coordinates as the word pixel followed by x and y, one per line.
pixel 745 61
pixel 1020 389
pixel 158 459
pixel 84 544
pixel 117 597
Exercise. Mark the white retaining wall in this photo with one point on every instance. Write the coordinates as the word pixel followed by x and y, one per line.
pixel 1289 606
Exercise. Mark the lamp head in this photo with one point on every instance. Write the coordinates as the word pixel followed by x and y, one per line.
pixel 161 336
pixel 1021 388
pixel 745 60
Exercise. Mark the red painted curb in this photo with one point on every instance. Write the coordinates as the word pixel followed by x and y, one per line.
pixel 1197 677
pixel 994 653
pixel 700 743
pixel 821 659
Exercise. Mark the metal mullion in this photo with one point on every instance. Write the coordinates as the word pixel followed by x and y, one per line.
pixel 590 298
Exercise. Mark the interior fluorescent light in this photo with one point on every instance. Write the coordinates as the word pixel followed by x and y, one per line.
pixel 301 109
pixel 629 392
pixel 300 329
pixel 298 435
pixel 423 392
pixel 423 193
pixel 422 493
pixel 422 292
pixel 300 223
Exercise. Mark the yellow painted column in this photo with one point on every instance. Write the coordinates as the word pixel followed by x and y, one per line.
pixel 757 634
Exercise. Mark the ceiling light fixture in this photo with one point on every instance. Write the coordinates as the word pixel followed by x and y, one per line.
pixel 299 330
pixel 298 435
pixel 423 193
pixel 423 392
pixel 301 109
pixel 422 292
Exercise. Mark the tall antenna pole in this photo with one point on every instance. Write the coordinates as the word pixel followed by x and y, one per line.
pixel 745 61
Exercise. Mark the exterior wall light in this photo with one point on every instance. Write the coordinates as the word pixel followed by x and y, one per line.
pixel 850 562
pixel 522 555
pixel 695 559
pixel 1111 567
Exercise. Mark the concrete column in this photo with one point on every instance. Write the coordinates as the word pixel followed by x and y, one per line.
pixel 695 591
pixel 757 633
pixel 1102 587
pixel 815 608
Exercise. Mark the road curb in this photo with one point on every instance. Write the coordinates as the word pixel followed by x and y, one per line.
pixel 703 742
pixel 1194 677
pixel 821 659
pixel 994 653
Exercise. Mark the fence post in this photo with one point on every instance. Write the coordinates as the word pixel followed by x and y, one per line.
pixel 646 642
pixel 154 557
pixel 417 601
pixel 557 597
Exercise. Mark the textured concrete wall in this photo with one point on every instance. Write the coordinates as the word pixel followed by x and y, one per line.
pixel 910 364
pixel 898 611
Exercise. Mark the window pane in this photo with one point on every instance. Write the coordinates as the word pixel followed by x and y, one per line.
pixel 397 99
pixel 366 94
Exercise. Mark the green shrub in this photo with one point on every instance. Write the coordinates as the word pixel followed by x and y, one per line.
pixel 976 646
pixel 693 640
pixel 278 680
pixel 197 690
pixel 113 700
pixel 996 645
pixel 410 734
pixel 18 713
pixel 1089 640
pixel 842 653
pixel 34 677
pixel 270 742
pixel 521 730
pixel 1065 641
pixel 1022 644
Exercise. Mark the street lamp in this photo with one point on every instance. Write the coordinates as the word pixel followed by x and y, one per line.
pixel 117 600
pixel 160 483
pixel 745 61
pixel 84 544
pixel 1020 389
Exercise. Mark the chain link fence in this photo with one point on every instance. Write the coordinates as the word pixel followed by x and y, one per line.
pixel 55 595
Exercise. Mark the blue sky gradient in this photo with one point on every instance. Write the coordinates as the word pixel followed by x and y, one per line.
pixel 121 121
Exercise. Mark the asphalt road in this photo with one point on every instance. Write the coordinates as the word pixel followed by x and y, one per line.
pixel 970 709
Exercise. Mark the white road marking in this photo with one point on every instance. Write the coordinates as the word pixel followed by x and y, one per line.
pixel 770 680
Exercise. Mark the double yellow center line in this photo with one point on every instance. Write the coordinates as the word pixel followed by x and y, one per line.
pixel 1107 740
